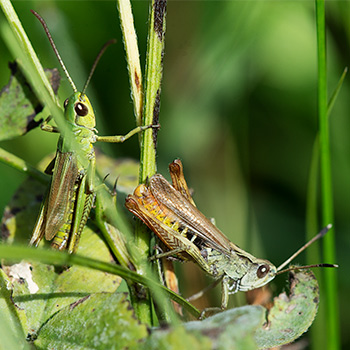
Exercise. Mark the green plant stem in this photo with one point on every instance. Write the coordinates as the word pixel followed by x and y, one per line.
pixel 336 92
pixel 154 72
pixel 311 203
pixel 140 298
pixel 312 253
pixel 326 183
pixel 21 165
pixel 132 56
pixel 21 37
pixel 17 253
pixel 114 238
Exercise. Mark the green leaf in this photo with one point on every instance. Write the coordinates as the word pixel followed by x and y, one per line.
pixel 31 287
pixel 176 338
pixel 335 93
pixel 99 321
pixel 291 315
pixel 19 105
pixel 21 212
pixel 231 329
pixel 41 291
pixel 38 289
pixel 248 327
pixel 12 318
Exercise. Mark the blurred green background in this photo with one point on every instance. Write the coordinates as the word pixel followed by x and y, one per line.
pixel 238 106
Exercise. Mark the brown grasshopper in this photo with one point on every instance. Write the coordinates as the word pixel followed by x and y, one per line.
pixel 169 211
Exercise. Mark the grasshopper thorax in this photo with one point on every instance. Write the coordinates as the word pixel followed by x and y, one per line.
pixel 79 111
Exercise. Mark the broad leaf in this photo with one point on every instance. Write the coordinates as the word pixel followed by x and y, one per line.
pixel 292 314
pixel 249 327
pixel 19 105
pixel 99 321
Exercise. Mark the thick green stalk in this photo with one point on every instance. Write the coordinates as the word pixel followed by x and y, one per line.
pixel 132 56
pixel 54 257
pixel 150 105
pixel 153 77
pixel 26 46
pixel 140 297
pixel 330 282
pixel 318 330
pixel 21 165
pixel 154 74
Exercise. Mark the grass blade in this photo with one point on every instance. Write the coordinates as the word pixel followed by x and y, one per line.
pixel 330 281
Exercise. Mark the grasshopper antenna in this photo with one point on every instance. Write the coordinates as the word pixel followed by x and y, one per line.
pixel 305 267
pixel 97 59
pixel 55 49
pixel 108 43
pixel 318 236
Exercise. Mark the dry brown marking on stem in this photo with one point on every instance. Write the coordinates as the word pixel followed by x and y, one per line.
pixel 137 81
pixel 159 8
pixel 155 121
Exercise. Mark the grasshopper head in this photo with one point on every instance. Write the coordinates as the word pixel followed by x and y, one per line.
pixel 258 274
pixel 78 110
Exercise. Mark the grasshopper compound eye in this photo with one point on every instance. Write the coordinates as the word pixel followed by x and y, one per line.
pixel 263 270
pixel 81 110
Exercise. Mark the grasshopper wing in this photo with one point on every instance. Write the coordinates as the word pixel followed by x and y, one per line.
pixel 186 250
pixel 64 177
pixel 189 214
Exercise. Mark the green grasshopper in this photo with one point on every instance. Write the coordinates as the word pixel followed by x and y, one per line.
pixel 71 194
pixel 170 212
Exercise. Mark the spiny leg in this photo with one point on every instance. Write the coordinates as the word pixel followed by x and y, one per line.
pixel 122 138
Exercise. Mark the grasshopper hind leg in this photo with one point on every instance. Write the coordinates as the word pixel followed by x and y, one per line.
pixel 80 224
pixel 83 204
